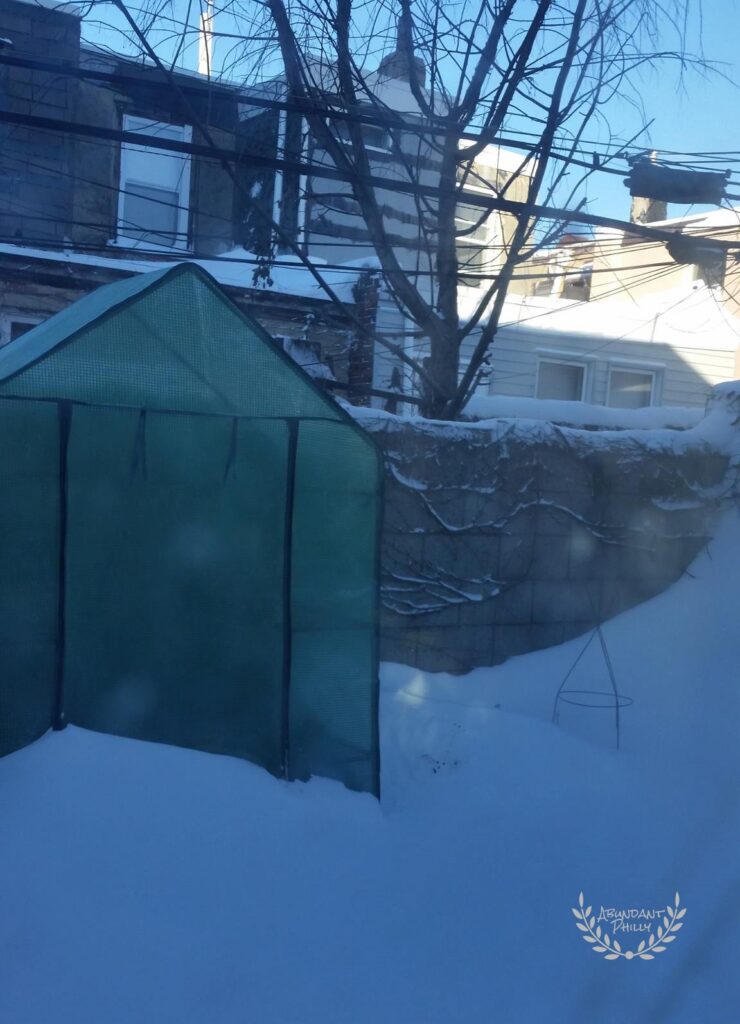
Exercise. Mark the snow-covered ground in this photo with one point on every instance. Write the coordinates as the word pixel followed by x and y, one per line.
pixel 142 884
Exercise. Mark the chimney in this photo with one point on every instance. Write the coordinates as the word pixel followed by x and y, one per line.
pixel 645 211
pixel 401 64
pixel 205 40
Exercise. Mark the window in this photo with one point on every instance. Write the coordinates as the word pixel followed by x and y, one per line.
pixel 307 354
pixel 468 218
pixel 13 327
pixel 545 284
pixel 471 259
pixel 154 201
pixel 376 139
pixel 630 389
pixel 562 380
pixel 577 283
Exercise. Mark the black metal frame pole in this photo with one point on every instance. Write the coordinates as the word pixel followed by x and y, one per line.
pixel 64 419
pixel 293 427
pixel 376 640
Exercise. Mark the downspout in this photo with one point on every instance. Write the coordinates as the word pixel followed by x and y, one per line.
pixel 302 239
pixel 277 192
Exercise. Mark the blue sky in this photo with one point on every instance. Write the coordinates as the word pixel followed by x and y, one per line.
pixel 700 113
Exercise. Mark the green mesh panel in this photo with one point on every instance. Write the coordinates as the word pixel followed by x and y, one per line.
pixel 176 346
pixel 174 580
pixel 29 570
pixel 333 694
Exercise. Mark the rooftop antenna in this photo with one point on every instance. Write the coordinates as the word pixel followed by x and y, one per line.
pixel 205 39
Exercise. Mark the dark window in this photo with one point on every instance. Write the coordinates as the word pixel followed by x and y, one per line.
pixel 711 272
pixel 467 220
pixel 154 207
pixel 560 380
pixel 471 259
pixel 19 327
pixel 630 389
pixel 374 137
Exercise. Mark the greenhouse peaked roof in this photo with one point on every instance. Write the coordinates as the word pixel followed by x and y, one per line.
pixel 70 321
pixel 168 340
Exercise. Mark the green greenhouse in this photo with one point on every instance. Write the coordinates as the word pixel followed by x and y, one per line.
pixel 189 530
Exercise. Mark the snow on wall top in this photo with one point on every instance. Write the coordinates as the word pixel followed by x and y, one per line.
pixel 718 429
pixel 582 414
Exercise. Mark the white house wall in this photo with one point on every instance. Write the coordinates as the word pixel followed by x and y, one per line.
pixel 684 375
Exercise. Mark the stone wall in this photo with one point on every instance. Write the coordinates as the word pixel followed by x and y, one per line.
pixel 515 535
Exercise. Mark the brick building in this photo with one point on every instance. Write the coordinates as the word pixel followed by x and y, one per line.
pixel 80 205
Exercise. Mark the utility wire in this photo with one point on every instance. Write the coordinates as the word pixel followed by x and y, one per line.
pixel 593 159
pixel 229 157
pixel 135 251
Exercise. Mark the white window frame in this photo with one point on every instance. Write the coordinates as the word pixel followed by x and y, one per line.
pixel 563 361
pixel 182 241
pixel 6 321
pixel 643 371
pixel 341 133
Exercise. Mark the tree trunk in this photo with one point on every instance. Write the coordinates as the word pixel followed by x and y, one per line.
pixel 444 358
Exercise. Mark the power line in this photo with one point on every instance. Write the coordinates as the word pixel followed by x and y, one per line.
pixel 519 209
pixel 594 157
pixel 494 203
pixel 255 260
pixel 512 325
pixel 304 108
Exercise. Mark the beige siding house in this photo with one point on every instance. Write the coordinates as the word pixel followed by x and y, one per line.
pixel 668 351
pixel 614 320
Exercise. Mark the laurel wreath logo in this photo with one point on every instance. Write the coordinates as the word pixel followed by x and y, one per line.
pixel 601 942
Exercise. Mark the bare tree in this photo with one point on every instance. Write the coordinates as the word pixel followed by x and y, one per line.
pixel 477 71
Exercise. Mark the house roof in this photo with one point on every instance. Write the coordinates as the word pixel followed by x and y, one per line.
pixel 680 318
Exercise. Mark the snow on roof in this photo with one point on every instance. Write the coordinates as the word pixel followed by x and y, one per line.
pixel 712 221
pixel 233 268
pixel 682 319
pixel 496 158
pixel 719 218
pixel 307 357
